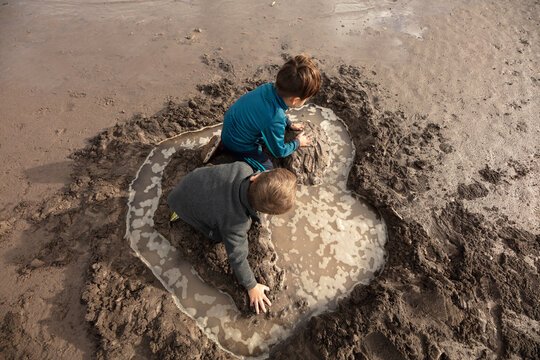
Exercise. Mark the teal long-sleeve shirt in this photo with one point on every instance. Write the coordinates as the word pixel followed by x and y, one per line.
pixel 258 116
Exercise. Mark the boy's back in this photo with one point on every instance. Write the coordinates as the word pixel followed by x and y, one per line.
pixel 205 195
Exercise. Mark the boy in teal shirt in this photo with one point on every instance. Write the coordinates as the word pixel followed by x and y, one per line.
pixel 258 117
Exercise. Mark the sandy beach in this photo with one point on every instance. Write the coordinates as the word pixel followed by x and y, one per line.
pixel 441 102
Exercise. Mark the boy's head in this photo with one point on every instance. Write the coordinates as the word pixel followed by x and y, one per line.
pixel 273 192
pixel 298 78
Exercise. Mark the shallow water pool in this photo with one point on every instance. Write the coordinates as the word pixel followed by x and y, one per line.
pixel 330 242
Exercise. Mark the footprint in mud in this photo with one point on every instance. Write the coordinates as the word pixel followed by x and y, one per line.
pixel 330 242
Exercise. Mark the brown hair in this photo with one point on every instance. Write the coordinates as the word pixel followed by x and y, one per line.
pixel 273 192
pixel 298 77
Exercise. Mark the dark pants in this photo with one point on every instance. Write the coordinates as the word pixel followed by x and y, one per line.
pixel 257 159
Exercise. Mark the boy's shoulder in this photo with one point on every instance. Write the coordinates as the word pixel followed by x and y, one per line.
pixel 265 86
pixel 240 167
pixel 265 89
pixel 235 169
pixel 268 94
pixel 260 93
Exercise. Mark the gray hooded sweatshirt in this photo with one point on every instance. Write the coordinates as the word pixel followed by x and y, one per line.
pixel 214 200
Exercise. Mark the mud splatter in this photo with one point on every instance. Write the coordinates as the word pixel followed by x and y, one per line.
pixel 472 191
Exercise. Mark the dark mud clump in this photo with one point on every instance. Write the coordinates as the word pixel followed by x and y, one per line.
pixel 208 258
pixel 490 175
pixel 472 191
pixel 455 286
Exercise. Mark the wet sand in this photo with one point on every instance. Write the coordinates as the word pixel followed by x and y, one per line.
pixel 444 110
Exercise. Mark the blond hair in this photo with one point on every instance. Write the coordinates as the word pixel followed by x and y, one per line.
pixel 273 192
pixel 298 77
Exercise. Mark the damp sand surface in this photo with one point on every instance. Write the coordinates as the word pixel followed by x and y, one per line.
pixel 67 79
pixel 328 243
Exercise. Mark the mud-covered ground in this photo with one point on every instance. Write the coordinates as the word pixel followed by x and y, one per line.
pixel 461 285
pixel 446 149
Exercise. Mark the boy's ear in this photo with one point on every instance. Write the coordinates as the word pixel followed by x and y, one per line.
pixel 254 177
pixel 295 100
pixel 291 101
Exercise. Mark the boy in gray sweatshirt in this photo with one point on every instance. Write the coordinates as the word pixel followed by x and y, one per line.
pixel 221 201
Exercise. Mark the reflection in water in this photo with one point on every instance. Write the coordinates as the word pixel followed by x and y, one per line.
pixel 330 242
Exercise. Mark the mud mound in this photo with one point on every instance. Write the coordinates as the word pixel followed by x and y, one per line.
pixel 308 163
pixel 490 175
pixel 472 191
pixel 456 284
pixel 133 317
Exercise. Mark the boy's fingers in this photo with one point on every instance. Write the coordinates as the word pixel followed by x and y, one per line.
pixel 262 305
pixel 257 307
pixel 267 301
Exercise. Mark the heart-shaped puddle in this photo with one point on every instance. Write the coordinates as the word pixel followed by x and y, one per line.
pixel 327 244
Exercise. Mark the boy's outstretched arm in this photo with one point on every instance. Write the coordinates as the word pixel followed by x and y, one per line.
pixel 236 245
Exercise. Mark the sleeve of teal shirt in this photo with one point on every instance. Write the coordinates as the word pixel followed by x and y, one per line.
pixel 289 123
pixel 274 137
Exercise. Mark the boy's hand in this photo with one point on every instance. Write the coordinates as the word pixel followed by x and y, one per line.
pixel 304 140
pixel 257 297
pixel 297 126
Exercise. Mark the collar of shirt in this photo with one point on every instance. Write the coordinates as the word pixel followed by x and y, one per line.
pixel 244 187
pixel 279 99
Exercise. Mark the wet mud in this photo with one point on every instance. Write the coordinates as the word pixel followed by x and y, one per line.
pixel 457 284
pixel 310 257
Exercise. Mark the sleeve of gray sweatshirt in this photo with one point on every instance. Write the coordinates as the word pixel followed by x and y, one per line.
pixel 236 245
